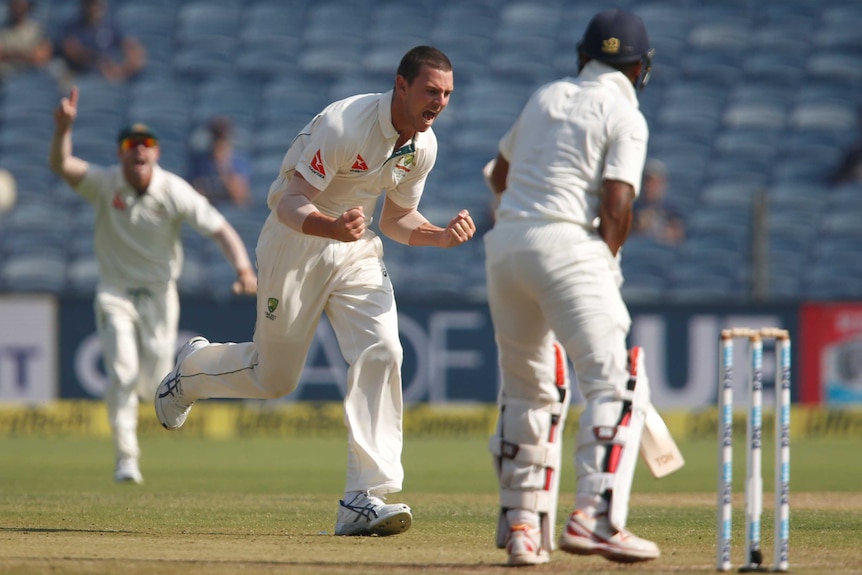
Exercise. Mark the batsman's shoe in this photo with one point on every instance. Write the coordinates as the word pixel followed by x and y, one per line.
pixel 127 471
pixel 172 408
pixel 524 546
pixel 595 536
pixel 366 514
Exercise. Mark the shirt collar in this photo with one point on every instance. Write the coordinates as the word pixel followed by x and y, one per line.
pixel 384 115
pixel 603 74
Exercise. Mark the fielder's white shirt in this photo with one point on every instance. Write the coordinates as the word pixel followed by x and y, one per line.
pixel 572 134
pixel 347 152
pixel 137 237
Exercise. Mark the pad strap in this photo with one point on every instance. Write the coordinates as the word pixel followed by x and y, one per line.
pixel 536 500
pixel 546 455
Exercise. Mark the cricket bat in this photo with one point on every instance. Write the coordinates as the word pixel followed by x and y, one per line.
pixel 658 449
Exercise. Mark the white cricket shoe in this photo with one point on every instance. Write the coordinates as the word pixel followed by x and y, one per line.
pixel 584 535
pixel 127 471
pixel 172 408
pixel 524 546
pixel 366 514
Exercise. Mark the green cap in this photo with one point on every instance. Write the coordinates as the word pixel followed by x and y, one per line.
pixel 136 130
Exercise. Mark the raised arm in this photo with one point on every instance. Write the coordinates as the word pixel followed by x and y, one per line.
pixel 61 160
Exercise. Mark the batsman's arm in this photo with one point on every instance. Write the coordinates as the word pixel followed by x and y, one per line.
pixel 495 172
pixel 615 213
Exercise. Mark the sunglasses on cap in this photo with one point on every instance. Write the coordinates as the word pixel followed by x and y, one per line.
pixel 133 142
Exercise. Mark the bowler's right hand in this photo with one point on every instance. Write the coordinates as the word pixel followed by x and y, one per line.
pixel 349 226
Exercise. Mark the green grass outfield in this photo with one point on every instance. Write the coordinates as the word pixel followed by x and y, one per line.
pixel 267 505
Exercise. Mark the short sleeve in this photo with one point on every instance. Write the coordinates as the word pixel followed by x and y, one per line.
pixel 98 180
pixel 326 149
pixel 627 149
pixel 194 209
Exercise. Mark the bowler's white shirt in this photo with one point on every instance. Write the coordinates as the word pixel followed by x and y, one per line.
pixel 137 237
pixel 347 152
pixel 572 134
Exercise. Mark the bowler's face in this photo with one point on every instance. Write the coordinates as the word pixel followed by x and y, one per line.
pixel 137 157
pixel 427 96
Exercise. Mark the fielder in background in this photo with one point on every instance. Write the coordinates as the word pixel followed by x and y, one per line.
pixel 568 171
pixel 316 254
pixel 140 209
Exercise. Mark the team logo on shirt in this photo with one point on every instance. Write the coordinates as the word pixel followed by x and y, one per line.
pixel 402 168
pixel 359 165
pixel 118 203
pixel 317 165
pixel 271 304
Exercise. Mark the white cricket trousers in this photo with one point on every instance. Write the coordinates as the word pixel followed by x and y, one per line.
pixel 556 281
pixel 137 328
pixel 299 278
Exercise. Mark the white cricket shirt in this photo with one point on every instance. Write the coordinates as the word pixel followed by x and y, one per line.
pixel 572 134
pixel 347 152
pixel 137 237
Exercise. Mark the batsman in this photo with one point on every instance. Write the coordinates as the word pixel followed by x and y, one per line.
pixel 566 175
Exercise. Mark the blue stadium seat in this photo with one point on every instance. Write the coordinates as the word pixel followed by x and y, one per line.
pixel 269 39
pixel 34 273
pixel 463 30
pixel 830 65
pixel 82 275
pixel 202 22
pixel 229 95
pixel 194 278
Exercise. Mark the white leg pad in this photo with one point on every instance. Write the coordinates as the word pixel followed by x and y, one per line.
pixel 619 440
pixel 527 454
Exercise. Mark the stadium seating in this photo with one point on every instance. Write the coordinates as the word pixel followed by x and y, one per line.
pixel 748 100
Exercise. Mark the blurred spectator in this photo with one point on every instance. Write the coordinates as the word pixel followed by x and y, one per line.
pixel 23 43
pixel 653 216
pixel 217 169
pixel 850 168
pixel 92 42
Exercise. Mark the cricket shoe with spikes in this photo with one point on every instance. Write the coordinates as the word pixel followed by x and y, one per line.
pixel 366 514
pixel 524 546
pixel 584 535
pixel 172 408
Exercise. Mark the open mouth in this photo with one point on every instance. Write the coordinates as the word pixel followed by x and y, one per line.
pixel 429 116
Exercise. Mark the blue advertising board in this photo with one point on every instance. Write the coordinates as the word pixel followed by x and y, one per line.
pixel 449 351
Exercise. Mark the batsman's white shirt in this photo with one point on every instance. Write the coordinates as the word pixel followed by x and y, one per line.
pixel 572 134
pixel 137 243
pixel 347 152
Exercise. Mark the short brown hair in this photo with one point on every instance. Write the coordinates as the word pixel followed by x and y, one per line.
pixel 419 56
